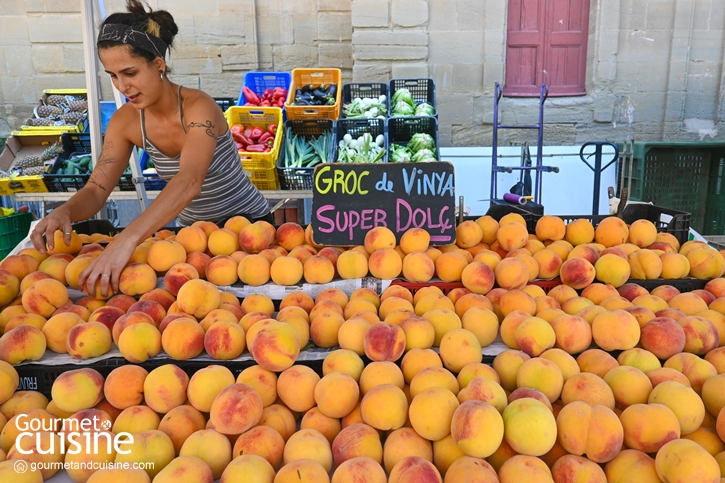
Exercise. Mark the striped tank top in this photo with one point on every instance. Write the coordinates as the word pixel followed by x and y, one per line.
pixel 226 190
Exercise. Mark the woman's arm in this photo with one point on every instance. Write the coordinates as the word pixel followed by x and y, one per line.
pixel 203 124
pixel 91 198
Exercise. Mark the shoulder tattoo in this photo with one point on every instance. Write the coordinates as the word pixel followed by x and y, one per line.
pixel 208 126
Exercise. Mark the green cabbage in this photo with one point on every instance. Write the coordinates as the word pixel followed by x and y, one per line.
pixel 400 154
pixel 420 141
pixel 425 109
pixel 403 95
pixel 402 108
pixel 424 156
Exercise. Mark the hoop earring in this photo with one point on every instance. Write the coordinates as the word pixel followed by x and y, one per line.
pixel 161 74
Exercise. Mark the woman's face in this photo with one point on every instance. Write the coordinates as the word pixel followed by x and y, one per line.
pixel 134 77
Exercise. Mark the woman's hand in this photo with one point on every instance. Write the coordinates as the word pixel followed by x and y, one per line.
pixel 107 268
pixel 58 219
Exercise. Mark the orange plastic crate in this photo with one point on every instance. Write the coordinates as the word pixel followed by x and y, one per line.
pixel 316 77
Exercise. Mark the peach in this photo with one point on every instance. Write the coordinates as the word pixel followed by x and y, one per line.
pixel 384 342
pixel 612 269
pixel 433 401
pixel 327 426
pixel 588 388
pixel 186 469
pixel 572 333
pixel 318 269
pixel 596 361
pixel 137 343
pixel 433 301
pixel 29 280
pixel 135 419
pixel 482 323
pixel 276 346
pixel 336 394
pixel 384 407
pixel 309 444
pixel 325 327
pixel 467 431
pixel 511 236
pixel 261 441
pixel 192 238
pixel 140 278
pixel 224 340
pixel 578 421
pixel 647 427
pixel 124 386
pixel 128 320
pixel 223 242
pixel 33 320
pixel 352 264
pixel 712 394
pixel 534 336
pixel 542 375
pixel 198 260
pixel 303 469
pixel 587 252
pixel 355 441
pixel 507 365
pixel 418 267
pixel 716 287
pixel 163 255
pixel 442 320
pixel 469 469
pixel 615 330
pixel 642 359
pixel 701 335
pixel 178 275
pixel 43 449
pixel 290 235
pixel 44 297
pixel 419 333
pixel 378 373
pixel 674 266
pixel 210 446
pixel 577 468
pixel 658 376
pixel 686 405
pixel 379 238
pixel 88 340
pixel 706 263
pixel 511 274
pixel 716 358
pixel 296 387
pixel 165 388
pixel 489 228
pixel 415 240
pixel 9 379
pixel 696 370
pixel 77 389
pixel 198 298
pixel 629 385
pixel 236 409
pixel 433 376
pixel 279 418
pixel 413 469
pixel 525 417
pixel 55 267
pixel 685 460
pixel 631 465
pixel 254 270
pixel 161 296
pixel 550 228
pixel 403 443
pixel 254 238
pixel 385 264
pixel 19 265
pixel 468 234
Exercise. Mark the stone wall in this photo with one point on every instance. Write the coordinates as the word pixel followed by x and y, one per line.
pixel 654 69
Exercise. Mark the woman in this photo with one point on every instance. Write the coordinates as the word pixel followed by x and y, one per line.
pixel 183 131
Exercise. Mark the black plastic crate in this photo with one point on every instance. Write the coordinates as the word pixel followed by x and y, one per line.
pixel 153 182
pixel 352 91
pixel 422 90
pixel 358 127
pixel 302 178
pixel 225 102
pixel 402 129
pixel 73 143
pixel 666 220
pixel 90 227
pixel 681 284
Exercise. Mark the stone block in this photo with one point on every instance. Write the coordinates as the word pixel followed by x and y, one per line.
pixel 288 57
pixel 482 109
pixel 180 9
pixel 455 47
pixel 371 71
pixel 333 26
pixel 706 46
pixel 468 77
pixel 382 37
pixel 268 30
pixel 492 73
pixel 389 52
pixel 298 6
pixel 46 59
pixel 370 13
pixel 471 135
pixel 288 31
pixel 337 54
pixel 495 17
pixel 218 30
pixel 409 13
pixel 18 7
pixel 334 5
pixel 55 28
pixel 651 78
pixel 266 58
pixel 19 90
pixel 14 30
pixel 240 57
pixel 346 75
pixel 610 15
pixel 608 44
pixel 58 81
pixel 649 106
pixel 455 108
pixel 634 17
pixel 606 71
pixel 227 84
pixel 442 15
pixel 417 70
pixel 235 8
pixel 470 14
pixel 445 134
pixel 660 15
pixel 48 6
pixel 442 75
pixel 305 28
pixel 197 59
pixel 187 32
pixel 19 60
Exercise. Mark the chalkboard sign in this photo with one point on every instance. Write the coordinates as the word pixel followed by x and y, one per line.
pixel 348 200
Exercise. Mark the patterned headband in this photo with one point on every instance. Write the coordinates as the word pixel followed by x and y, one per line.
pixel 127 35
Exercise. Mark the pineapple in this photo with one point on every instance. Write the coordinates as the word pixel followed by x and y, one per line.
pixel 55 100
pixel 72 117
pixel 34 121
pixel 48 111
pixel 28 162
pixel 33 171
pixel 78 105
pixel 51 152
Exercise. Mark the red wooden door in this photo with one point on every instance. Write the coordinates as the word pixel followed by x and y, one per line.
pixel 547 42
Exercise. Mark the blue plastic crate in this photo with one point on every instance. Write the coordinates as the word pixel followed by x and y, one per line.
pixel 259 81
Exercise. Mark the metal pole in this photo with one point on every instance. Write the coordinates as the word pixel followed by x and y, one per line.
pixel 597 178
pixel 89 51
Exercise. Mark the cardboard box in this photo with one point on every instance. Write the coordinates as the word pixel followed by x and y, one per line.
pixel 18 146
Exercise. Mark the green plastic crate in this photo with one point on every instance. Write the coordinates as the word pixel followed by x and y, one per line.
pixel 672 175
pixel 715 209
pixel 13 229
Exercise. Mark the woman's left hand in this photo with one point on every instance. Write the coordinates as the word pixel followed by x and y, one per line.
pixel 107 268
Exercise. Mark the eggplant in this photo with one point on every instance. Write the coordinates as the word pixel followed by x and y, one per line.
pixel 332 90
pixel 318 93
pixel 298 93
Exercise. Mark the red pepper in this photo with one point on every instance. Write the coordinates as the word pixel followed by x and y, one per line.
pixel 272 129
pixel 249 104
pixel 267 94
pixel 264 137
pixel 238 137
pixel 270 143
pixel 281 102
pixel 279 92
pixel 265 103
pixel 245 140
pixel 248 132
pixel 267 149
pixel 256 133
pixel 240 146
pixel 251 96
pixel 255 148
